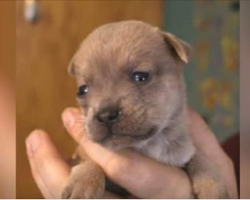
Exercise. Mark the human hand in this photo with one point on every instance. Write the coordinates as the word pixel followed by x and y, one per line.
pixel 7 138
pixel 51 172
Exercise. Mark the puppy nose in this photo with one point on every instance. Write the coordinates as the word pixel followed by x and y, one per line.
pixel 108 116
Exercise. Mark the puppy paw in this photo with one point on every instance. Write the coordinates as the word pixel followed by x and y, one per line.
pixel 82 190
pixel 207 187
pixel 86 182
pixel 206 179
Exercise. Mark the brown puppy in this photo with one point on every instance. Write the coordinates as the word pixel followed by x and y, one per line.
pixel 132 93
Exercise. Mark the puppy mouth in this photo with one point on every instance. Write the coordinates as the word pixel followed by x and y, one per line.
pixel 128 137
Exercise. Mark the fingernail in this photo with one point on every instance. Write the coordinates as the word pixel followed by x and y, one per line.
pixel 33 142
pixel 68 118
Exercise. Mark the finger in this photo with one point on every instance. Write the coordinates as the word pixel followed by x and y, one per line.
pixel 73 122
pixel 141 176
pixel 206 142
pixel 48 168
pixel 203 138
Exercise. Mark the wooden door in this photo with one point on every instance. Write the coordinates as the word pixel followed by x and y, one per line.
pixel 44 50
pixel 7 37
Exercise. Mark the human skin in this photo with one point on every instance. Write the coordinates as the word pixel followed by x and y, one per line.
pixel 51 172
pixel 7 138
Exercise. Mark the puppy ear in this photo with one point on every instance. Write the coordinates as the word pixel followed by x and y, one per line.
pixel 179 48
pixel 72 68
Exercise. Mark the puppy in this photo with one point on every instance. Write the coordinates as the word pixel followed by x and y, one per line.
pixel 132 93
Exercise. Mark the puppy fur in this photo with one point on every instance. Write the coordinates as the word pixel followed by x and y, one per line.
pixel 152 117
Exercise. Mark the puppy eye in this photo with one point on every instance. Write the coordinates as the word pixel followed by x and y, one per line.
pixel 82 91
pixel 140 76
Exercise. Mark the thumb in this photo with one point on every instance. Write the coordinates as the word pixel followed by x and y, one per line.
pixel 128 169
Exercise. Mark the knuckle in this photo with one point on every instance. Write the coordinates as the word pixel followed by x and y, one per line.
pixel 230 162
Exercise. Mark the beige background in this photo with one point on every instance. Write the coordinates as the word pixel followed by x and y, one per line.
pixel 44 50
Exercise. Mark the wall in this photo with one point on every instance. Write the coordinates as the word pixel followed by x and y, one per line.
pixel 7 37
pixel 212 27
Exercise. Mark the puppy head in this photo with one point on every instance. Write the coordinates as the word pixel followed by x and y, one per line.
pixel 129 82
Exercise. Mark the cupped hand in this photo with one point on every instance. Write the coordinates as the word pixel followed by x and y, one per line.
pixel 141 176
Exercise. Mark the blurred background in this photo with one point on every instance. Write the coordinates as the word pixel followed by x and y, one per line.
pixel 49 32
pixel 212 76
pixel 244 99
pixel 7 101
